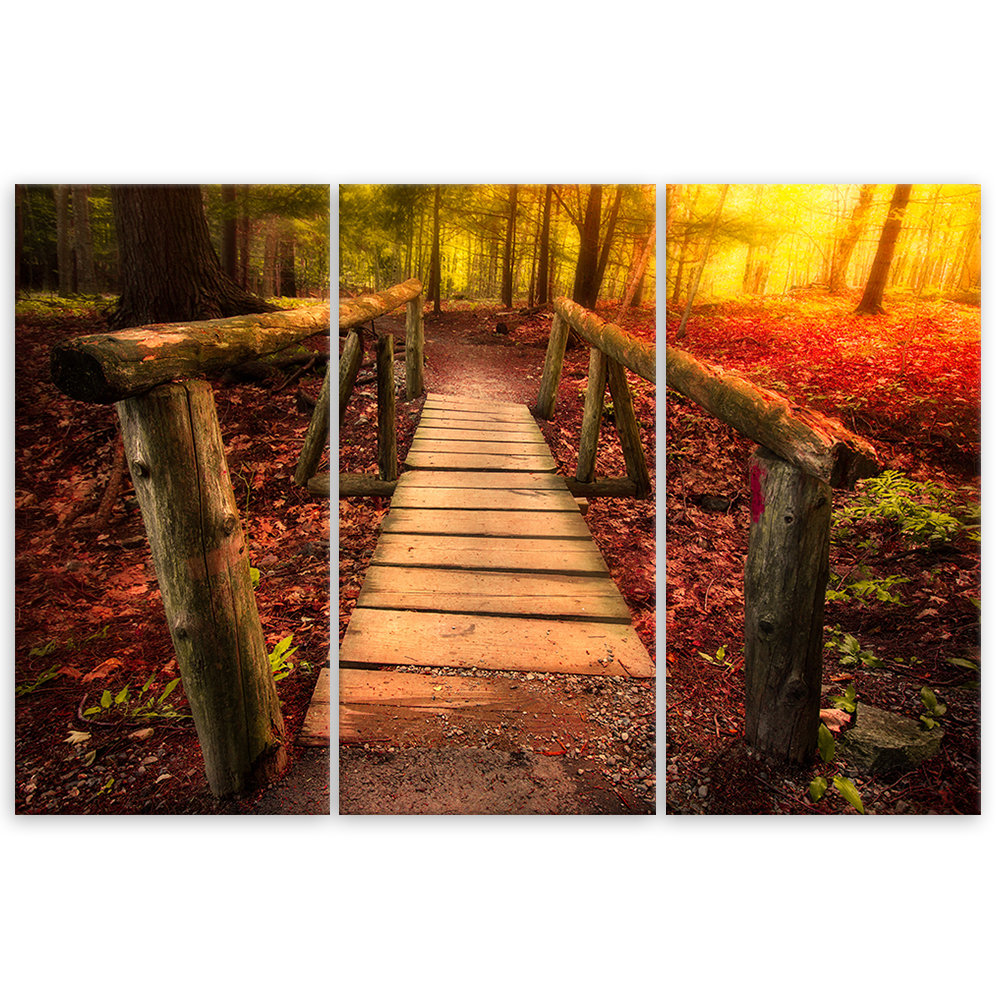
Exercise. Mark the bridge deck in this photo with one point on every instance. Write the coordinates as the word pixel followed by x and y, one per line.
pixel 484 560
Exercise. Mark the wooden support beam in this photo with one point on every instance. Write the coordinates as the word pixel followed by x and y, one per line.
pixel 628 429
pixel 784 592
pixel 593 404
pixel 174 451
pixel 316 435
pixel 635 355
pixel 319 486
pixel 601 487
pixel 552 369
pixel 353 485
pixel 107 367
pixel 415 347
pixel 820 446
pixel 354 312
pixel 387 464
pixel 350 365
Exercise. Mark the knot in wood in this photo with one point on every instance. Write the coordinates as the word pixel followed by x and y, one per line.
pixel 140 469
pixel 230 523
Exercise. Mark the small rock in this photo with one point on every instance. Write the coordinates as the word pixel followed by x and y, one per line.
pixel 703 791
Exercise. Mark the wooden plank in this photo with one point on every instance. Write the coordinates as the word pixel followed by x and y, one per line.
pixel 471 424
pixel 499 523
pixel 457 499
pixel 470 402
pixel 495 593
pixel 460 446
pixel 316 725
pixel 378 637
pixel 522 555
pixel 530 436
pixel 434 479
pixel 474 406
pixel 455 461
pixel 402 708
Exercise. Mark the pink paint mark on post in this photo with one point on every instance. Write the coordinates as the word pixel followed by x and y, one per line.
pixel 757 477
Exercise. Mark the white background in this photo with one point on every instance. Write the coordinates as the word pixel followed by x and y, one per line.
pixel 527 92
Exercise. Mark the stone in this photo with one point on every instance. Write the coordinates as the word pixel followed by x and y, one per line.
pixel 883 742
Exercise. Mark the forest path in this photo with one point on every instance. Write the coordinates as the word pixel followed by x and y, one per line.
pixel 484 566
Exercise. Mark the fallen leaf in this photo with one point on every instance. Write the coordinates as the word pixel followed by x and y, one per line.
pixel 75 736
pixel 834 718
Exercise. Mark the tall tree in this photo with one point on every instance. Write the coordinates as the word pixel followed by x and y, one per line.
pixel 542 292
pixel 507 292
pixel 229 212
pixel 871 298
pixel 585 288
pixel 609 235
pixel 83 240
pixel 682 329
pixel 848 240
pixel 169 269
pixel 64 240
pixel 434 282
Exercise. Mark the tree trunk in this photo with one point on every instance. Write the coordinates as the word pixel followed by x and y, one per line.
pixel 585 288
pixel 83 240
pixel 228 256
pixel 609 237
pixel 169 270
pixel 434 282
pixel 243 239
pixel 871 299
pixel 64 241
pixel 542 286
pixel 174 450
pixel 507 292
pixel 784 592
pixel 286 260
pixel 682 330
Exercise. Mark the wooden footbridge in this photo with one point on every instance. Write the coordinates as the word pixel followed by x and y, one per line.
pixel 484 563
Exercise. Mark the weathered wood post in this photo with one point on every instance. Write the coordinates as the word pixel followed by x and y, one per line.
pixel 387 465
pixel 316 435
pixel 628 429
pixel 350 365
pixel 551 370
pixel 174 451
pixel 784 589
pixel 415 347
pixel 593 404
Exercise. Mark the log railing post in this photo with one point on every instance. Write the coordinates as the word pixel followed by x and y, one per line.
pixel 628 429
pixel 415 347
pixel 387 465
pixel 316 435
pixel 174 451
pixel 785 584
pixel 593 404
pixel 552 369
pixel 350 365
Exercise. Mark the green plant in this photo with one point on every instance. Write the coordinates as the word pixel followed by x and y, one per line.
pixel 281 658
pixel 146 705
pixel 48 674
pixel 916 510
pixel 864 590
pixel 843 786
pixel 719 659
pixel 851 653
pixel 933 709
pixel 848 701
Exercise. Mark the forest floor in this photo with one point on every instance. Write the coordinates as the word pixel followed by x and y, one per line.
pixel 611 770
pixel 905 569
pixel 89 619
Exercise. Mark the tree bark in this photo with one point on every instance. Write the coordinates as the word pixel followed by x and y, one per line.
pixel 361 309
pixel 784 592
pixel 316 436
pixel 871 299
pixel 169 270
pixel 103 368
pixel 548 388
pixel 350 365
pixel 387 464
pixel 175 453
pixel 817 445
pixel 593 405
pixel 584 288
pixel 613 341
pixel 542 277
pixel 415 347
pixel 507 292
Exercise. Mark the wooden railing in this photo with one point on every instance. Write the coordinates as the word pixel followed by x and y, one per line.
pixel 173 446
pixel 354 313
pixel 612 351
pixel 802 455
